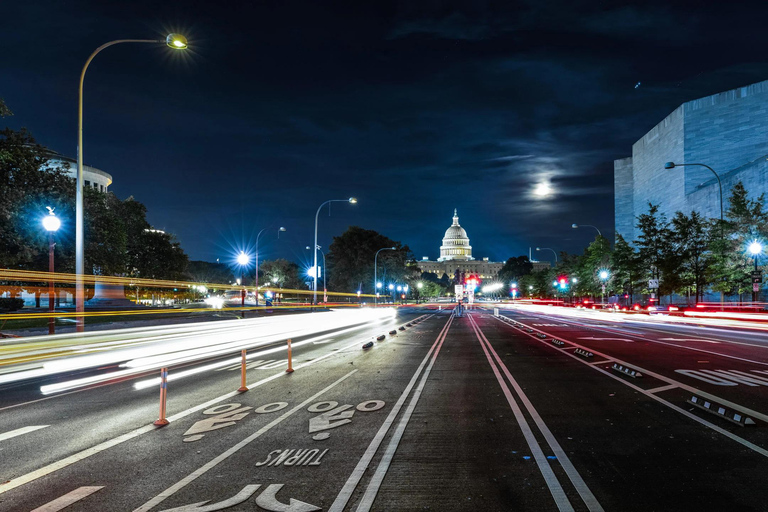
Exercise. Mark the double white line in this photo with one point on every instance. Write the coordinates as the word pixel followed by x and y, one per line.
pixel 553 484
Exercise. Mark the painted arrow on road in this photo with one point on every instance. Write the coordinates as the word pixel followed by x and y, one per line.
pixel 237 499
pixel 614 339
pixel 268 501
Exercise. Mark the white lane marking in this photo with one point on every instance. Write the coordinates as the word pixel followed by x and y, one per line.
pixel 689 339
pixel 77 457
pixel 581 487
pixel 268 501
pixel 373 486
pixel 663 388
pixel 603 362
pixel 742 409
pixel 607 339
pixel 241 497
pixel 21 431
pixel 68 499
pixel 349 486
pixel 242 444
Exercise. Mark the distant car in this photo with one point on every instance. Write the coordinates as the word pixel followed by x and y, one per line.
pixel 662 310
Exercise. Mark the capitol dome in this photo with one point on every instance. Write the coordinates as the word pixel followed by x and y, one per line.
pixel 455 243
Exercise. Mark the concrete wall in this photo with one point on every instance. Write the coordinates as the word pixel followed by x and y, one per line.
pixel 623 190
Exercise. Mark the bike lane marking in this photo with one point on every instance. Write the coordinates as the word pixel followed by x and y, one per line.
pixel 242 444
pixel 357 474
pixel 546 469
pixel 21 431
pixel 68 499
pixel 672 406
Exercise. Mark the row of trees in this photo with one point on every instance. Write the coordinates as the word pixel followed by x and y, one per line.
pixel 687 254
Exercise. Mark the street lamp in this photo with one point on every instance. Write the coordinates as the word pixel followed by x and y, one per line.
pixel 242 260
pixel 548 249
pixel 282 229
pixel 351 200
pixel 672 165
pixel 575 226
pixel 51 223
pixel 375 268
pixel 755 248
pixel 175 41
pixel 325 271
pixel 603 277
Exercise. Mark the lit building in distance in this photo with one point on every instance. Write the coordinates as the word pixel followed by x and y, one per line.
pixel 726 131
pixel 92 177
pixel 456 254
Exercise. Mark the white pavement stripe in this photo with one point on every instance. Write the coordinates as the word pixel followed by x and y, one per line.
pixel 346 492
pixel 242 444
pixel 375 484
pixel 663 388
pixel 558 494
pixel 77 457
pixel 68 499
pixel 743 410
pixel 21 431
pixel 603 362
pixel 581 486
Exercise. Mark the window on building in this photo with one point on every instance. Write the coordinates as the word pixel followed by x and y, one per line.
pixel 87 183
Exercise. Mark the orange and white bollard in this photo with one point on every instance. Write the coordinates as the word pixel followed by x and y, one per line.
pixel 162 421
pixel 290 358
pixel 243 387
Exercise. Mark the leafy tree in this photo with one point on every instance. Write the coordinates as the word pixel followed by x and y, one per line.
pixel 626 266
pixel 351 260
pixel 429 289
pixel 515 268
pixel 4 110
pixel 283 273
pixel 653 244
pixel 690 242
pixel 206 272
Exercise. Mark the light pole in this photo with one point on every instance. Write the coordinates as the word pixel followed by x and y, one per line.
pixel 282 229
pixel 575 226
pixel 603 277
pixel 755 248
pixel 392 292
pixel 376 283
pixel 548 249
pixel 51 223
pixel 672 165
pixel 242 260
pixel 351 200
pixel 175 41
pixel 325 271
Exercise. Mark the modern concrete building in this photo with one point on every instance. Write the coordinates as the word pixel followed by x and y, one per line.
pixel 726 131
pixel 456 254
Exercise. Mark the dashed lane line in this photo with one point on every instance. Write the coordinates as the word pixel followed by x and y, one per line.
pixel 742 409
pixel 21 431
pixel 554 486
pixel 357 474
pixel 68 499
pixel 663 388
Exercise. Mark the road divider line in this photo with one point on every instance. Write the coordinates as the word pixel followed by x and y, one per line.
pixel 663 388
pixel 88 452
pixel 672 406
pixel 68 499
pixel 378 478
pixel 21 431
pixel 242 444
pixel 554 485
pixel 357 474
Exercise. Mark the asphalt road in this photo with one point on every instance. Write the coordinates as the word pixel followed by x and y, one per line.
pixel 450 413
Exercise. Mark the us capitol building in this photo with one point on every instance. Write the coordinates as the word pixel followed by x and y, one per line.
pixel 456 254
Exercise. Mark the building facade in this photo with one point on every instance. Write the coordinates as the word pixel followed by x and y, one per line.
pixel 726 131
pixel 456 255
pixel 92 177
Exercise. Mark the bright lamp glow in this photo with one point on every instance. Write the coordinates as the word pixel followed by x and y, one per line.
pixel 755 247
pixel 51 222
pixel 378 285
pixel 176 41
pixel 420 286
pixel 391 287
pixel 353 200
pixel 243 258
pixel 603 274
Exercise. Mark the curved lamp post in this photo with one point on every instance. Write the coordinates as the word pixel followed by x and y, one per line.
pixel 175 41
pixel 281 229
pixel 548 249
pixel 351 200
pixel 672 165
pixel 575 226
pixel 51 223
pixel 325 271
pixel 375 271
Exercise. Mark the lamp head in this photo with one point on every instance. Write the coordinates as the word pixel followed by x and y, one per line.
pixel 574 226
pixel 755 247
pixel 352 200
pixel 603 274
pixel 538 248
pixel 669 165
pixel 176 41
pixel 243 258
pixel 282 229
pixel 307 247
pixel 51 222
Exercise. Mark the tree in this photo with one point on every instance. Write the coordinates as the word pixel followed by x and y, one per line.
pixel 4 110
pixel 351 260
pixel 690 242
pixel 626 266
pixel 206 272
pixel 515 268
pixel 653 244
pixel 282 273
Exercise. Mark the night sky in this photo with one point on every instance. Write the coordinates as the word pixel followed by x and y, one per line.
pixel 414 107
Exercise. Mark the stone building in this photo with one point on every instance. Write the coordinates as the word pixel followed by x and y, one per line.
pixel 92 177
pixel 456 254
pixel 726 131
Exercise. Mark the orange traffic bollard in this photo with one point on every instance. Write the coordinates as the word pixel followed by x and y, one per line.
pixel 162 421
pixel 243 387
pixel 290 358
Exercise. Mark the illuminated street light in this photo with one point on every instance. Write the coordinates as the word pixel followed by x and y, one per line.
pixel 755 248
pixel 175 41
pixel 420 285
pixel 672 165
pixel 548 249
pixel 51 223
pixel 603 276
pixel 376 268
pixel 576 226
pixel 351 200
pixel 281 229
